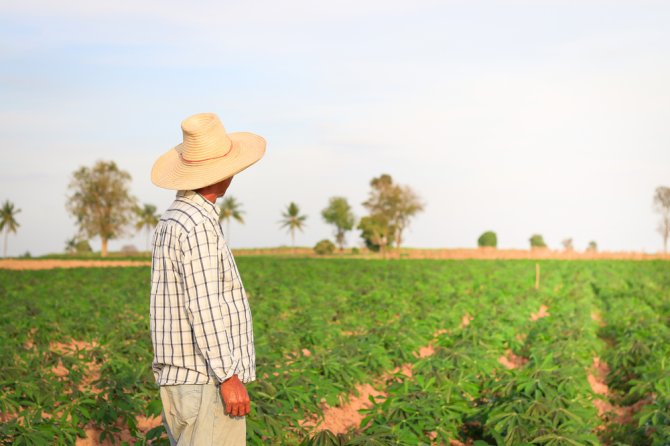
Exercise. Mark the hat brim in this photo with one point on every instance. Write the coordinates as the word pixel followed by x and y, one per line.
pixel 171 172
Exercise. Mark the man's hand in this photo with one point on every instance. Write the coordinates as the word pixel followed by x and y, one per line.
pixel 235 397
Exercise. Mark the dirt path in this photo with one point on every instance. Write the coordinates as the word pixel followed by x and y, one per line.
pixel 405 253
pixel 609 412
pixel 32 264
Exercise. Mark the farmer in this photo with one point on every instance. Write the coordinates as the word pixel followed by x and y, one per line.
pixel 200 319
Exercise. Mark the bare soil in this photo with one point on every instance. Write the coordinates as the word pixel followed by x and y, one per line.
pixel 404 253
pixel 611 413
pixel 511 361
pixel 32 264
pixel 542 312
pixel 461 253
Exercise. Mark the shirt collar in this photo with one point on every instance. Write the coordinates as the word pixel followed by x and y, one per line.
pixel 209 207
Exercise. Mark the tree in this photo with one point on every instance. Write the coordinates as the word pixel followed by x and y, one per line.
pixel 567 244
pixel 8 221
pixel 536 241
pixel 593 246
pixel 292 220
pixel 76 246
pixel 71 245
pixel 324 247
pixel 146 218
pixel 662 205
pixel 488 239
pixel 339 214
pixel 101 202
pixel 396 204
pixel 231 209
pixel 376 232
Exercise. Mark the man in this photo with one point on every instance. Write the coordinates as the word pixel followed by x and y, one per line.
pixel 201 326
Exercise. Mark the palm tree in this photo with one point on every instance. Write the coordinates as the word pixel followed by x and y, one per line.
pixel 292 220
pixel 146 219
pixel 230 209
pixel 8 221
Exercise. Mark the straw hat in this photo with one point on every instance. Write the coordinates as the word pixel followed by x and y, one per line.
pixel 207 155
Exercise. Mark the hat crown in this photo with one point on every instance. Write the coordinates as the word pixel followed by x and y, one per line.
pixel 204 138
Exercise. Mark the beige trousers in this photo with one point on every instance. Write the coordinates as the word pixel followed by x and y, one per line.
pixel 193 415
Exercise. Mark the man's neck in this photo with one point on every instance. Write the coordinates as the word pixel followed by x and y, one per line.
pixel 211 196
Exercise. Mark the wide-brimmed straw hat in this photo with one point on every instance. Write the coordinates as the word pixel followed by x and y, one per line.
pixel 207 155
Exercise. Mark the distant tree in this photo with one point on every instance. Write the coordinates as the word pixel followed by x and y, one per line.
pixel 593 247
pixel 488 239
pixel 410 205
pixel 76 246
pixel 376 232
pixel 129 250
pixel 101 202
pixel 292 220
pixel 71 245
pixel 8 221
pixel 82 247
pixel 147 219
pixel 536 241
pixel 393 204
pixel 231 209
pixel 567 244
pixel 662 205
pixel 339 214
pixel 324 247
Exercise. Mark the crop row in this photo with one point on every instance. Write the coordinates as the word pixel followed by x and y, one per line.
pixel 75 351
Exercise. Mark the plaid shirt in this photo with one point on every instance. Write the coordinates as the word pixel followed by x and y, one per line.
pixel 200 319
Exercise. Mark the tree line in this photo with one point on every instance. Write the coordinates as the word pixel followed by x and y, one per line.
pixel 100 201
pixel 489 239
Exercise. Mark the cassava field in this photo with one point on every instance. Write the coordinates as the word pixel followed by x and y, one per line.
pixel 360 352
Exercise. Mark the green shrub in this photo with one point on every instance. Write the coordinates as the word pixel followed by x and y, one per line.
pixel 355 251
pixel 82 246
pixel 488 239
pixel 325 246
pixel 536 241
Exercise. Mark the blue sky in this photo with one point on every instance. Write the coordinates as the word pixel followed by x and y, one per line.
pixel 523 117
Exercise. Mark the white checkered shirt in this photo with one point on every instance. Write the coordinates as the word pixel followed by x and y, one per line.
pixel 200 319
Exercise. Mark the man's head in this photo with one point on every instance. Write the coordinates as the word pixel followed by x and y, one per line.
pixel 206 156
pixel 216 190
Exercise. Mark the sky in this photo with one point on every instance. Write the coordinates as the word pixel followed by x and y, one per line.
pixel 518 116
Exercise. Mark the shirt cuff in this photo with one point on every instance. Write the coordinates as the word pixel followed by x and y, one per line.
pixel 221 372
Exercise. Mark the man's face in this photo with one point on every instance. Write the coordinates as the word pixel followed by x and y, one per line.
pixel 222 187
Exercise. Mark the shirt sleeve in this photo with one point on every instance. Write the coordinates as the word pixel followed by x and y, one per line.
pixel 202 284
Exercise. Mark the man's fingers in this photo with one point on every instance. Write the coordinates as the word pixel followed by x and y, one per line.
pixel 229 408
pixel 248 408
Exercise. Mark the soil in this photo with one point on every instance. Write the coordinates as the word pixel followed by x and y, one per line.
pixel 597 317
pixel 611 413
pixel 76 348
pixel 33 264
pixel 341 418
pixel 542 312
pixel 466 319
pixel 512 361
pixel 408 253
